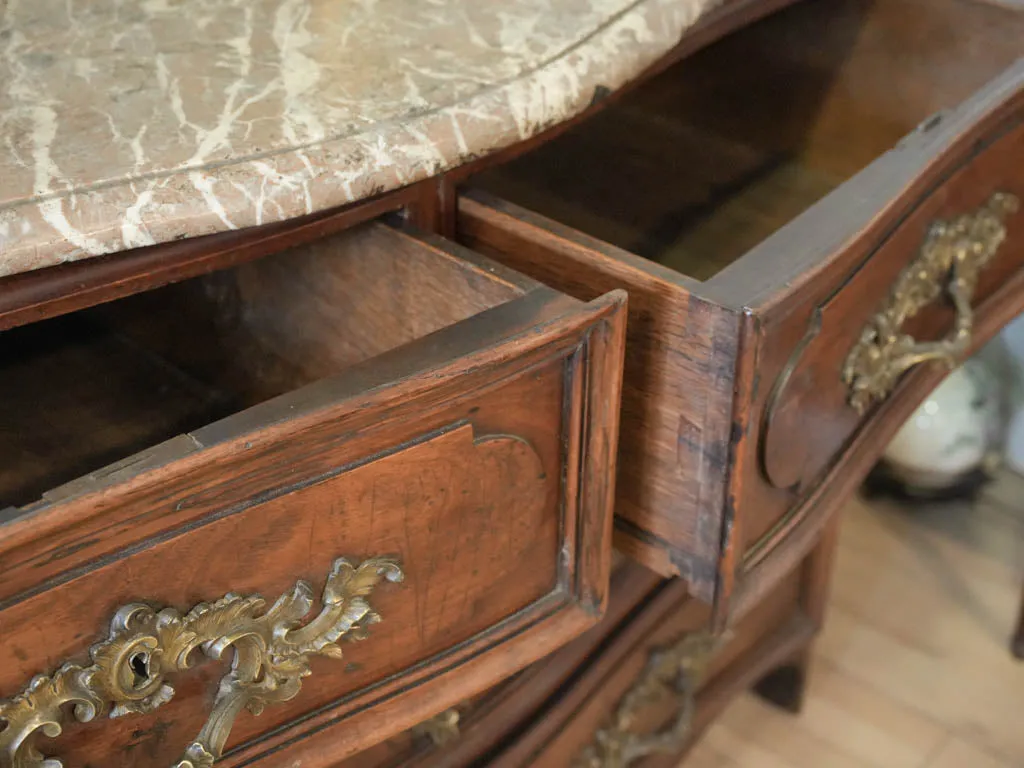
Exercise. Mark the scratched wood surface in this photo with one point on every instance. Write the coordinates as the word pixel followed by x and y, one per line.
pixel 761 165
pixel 480 453
pixel 677 390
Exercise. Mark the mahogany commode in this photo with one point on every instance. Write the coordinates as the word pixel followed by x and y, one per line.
pixel 767 244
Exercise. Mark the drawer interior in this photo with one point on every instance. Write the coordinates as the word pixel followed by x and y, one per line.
pixel 87 389
pixel 698 165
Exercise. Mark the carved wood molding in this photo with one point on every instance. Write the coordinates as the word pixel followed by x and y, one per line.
pixel 441 729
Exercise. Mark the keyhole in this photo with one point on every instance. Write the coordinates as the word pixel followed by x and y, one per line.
pixel 139 664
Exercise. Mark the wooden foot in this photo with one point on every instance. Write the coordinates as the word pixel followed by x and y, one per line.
pixel 1017 644
pixel 784 687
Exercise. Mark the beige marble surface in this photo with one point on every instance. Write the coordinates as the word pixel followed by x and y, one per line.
pixel 125 123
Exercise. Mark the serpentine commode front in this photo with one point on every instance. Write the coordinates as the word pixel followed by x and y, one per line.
pixel 130 668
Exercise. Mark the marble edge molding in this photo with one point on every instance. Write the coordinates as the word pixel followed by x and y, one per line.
pixel 113 216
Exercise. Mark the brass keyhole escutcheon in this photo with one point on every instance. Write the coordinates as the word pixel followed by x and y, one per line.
pixel 272 645
pixel 139 664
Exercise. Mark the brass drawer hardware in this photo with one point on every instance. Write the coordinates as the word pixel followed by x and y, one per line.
pixel 950 261
pixel 669 679
pixel 441 729
pixel 130 668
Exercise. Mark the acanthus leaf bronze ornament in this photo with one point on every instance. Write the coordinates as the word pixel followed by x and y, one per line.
pixel 669 679
pixel 130 669
pixel 950 262
pixel 441 729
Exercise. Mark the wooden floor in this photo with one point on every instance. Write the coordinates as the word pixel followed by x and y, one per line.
pixel 912 670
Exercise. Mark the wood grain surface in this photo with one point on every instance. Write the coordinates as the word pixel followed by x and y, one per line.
pixel 480 453
pixel 783 166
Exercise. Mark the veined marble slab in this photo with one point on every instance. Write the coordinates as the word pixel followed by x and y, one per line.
pixel 125 123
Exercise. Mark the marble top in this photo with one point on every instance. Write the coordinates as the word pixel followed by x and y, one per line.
pixel 125 123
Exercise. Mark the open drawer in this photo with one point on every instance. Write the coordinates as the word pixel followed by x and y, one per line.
pixel 793 230
pixel 424 438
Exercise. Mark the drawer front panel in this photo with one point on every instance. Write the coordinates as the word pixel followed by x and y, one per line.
pixel 856 319
pixel 869 334
pixel 466 734
pixel 647 697
pixel 909 304
pixel 480 476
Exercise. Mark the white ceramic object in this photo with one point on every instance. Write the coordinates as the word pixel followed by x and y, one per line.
pixel 1015 442
pixel 1013 335
pixel 953 433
